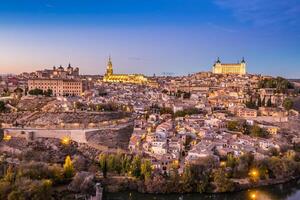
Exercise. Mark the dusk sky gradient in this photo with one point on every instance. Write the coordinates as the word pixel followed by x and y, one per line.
pixel 150 36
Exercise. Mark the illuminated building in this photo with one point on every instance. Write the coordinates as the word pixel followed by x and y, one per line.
pixel 122 78
pixel 58 72
pixel 59 87
pixel 232 68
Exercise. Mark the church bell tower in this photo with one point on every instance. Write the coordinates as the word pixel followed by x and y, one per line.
pixel 109 68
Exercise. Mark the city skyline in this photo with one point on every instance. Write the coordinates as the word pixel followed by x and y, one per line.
pixel 180 37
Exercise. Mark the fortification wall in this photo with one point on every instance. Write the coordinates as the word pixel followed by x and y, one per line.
pixel 31 134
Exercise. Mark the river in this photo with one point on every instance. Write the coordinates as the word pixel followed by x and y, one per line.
pixel 287 191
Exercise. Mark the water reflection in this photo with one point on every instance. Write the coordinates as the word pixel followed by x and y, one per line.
pixel 288 191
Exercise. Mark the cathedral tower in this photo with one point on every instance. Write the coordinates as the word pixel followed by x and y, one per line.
pixel 109 67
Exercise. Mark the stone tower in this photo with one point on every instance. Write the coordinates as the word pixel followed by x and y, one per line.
pixel 109 67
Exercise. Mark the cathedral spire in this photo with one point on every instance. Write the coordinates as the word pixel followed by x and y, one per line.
pixel 243 60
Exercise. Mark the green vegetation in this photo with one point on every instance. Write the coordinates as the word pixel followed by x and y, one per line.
pixel 68 168
pixel 256 131
pixel 258 103
pixel 188 111
pixel 37 92
pixel 243 127
pixel 2 106
pixel 146 170
pixel 222 182
pixel 288 104
pixel 166 110
pixel 181 113
pixel 29 181
pixel 280 84
pixel 178 94
pixel 251 104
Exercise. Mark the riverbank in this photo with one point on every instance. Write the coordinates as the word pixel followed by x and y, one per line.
pixel 118 184
pixel 287 191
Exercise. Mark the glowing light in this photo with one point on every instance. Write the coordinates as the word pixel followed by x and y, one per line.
pixel 254 174
pixel 65 140
pixel 7 137
pixel 48 182
pixel 222 163
pixel 253 195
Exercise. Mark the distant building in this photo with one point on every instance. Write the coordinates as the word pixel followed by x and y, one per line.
pixel 122 78
pixel 59 87
pixel 58 72
pixel 247 113
pixel 233 68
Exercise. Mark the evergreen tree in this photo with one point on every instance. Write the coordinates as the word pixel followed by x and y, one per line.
pixel 259 103
pixel 2 106
pixel 263 103
pixel 288 104
pixel 269 102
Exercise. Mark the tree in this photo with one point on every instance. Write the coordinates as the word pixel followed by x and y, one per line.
pixel 135 168
pixel 222 183
pixel 125 163
pixel 111 163
pixel 250 104
pixel 68 167
pixel 48 93
pixel 36 92
pixel 2 106
pixel 280 84
pixel 187 179
pixel 5 189
pixel 146 169
pixel 103 164
pixel 231 161
pixel 269 102
pixel 232 125
pixel 259 102
pixel 288 104
pixel 10 175
pixel 256 131
pixel 18 91
pixel 263 103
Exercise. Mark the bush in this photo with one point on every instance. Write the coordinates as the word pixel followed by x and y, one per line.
pixel 256 131
pixel 222 183
pixel 36 92
pixel 288 104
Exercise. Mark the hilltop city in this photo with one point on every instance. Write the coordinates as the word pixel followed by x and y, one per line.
pixel 70 136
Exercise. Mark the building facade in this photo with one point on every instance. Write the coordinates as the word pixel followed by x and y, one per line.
pixel 122 78
pixel 59 87
pixel 231 68
pixel 58 72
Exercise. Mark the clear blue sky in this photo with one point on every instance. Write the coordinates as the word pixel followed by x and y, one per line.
pixel 150 36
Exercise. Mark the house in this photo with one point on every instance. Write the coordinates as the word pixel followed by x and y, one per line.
pixel 246 113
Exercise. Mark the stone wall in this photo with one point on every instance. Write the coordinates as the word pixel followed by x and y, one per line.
pixel 31 134
pixel 103 138
pixel 112 138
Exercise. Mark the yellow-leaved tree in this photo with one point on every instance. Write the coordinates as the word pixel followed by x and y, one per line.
pixel 68 167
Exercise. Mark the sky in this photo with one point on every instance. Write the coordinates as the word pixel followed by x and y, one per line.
pixel 177 37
